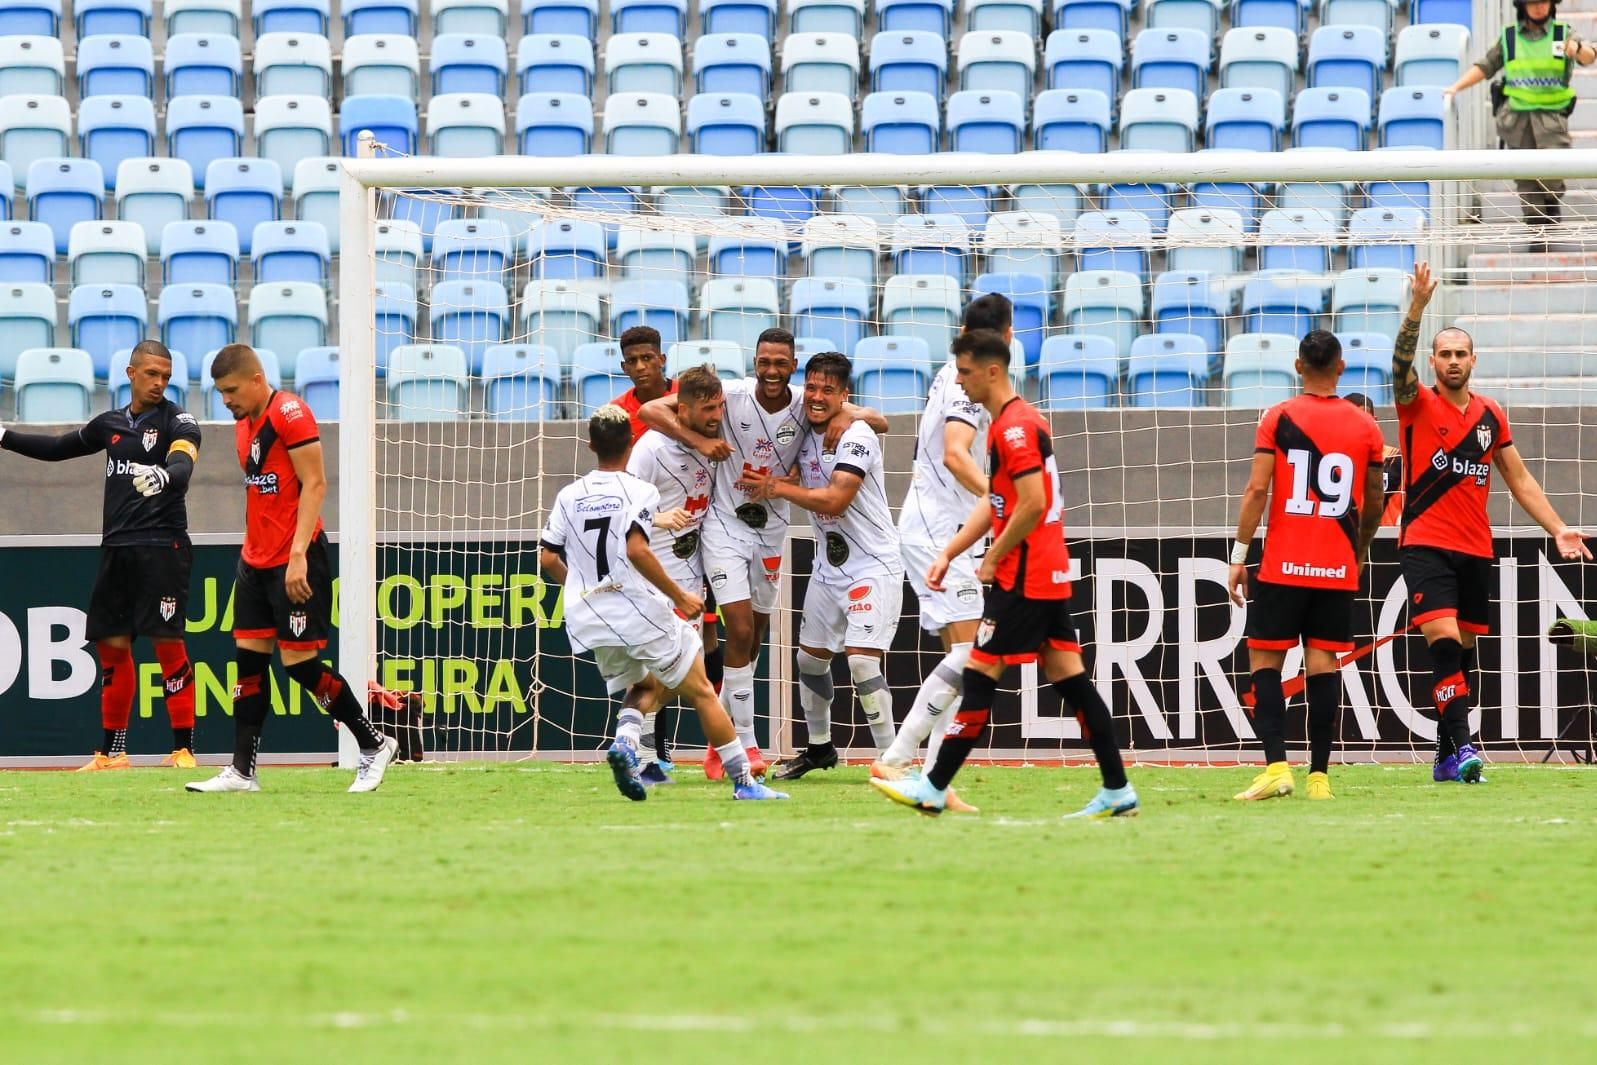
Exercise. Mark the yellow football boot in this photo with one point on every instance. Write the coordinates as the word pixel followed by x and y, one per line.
pixel 1274 782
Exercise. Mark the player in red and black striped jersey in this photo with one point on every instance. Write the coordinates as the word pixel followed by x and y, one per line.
pixel 1451 438
pixel 1027 569
pixel 142 588
pixel 283 592
pixel 1317 461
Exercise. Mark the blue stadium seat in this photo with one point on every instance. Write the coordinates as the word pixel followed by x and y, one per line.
pixel 892 373
pixel 472 249
pixel 827 16
pixel 316 381
pixel 927 307
pixel 596 376
pixel 814 123
pixel 654 255
pixel 1259 57
pixel 316 183
pixel 738 309
pixel 1375 13
pixel 1113 240
pixel 752 247
pixel 391 120
pixel 1085 59
pixel 821 63
pixel 880 204
pixel 290 16
pixel 1367 362
pixel 792 205
pixel 643 63
pixel 557 62
pixel 121 387
pixel 394 314
pixel 649 16
pixel 291 128
pixel 1259 369
pixel 1385 228
pixel 426 383
pixel 579 17
pixel 194 253
pixel 33 128
pixel 1200 15
pixel 732 62
pixel 926 16
pixel 1031 296
pixel 1431 55
pixel 1245 119
pixel 1071 120
pixel 111 16
pixel 999 61
pixel 203 129
pixel 289 317
pixel 1192 303
pixel 991 121
pixel 382 64
pixel 1331 118
pixel 471 315
pixel 490 17
pixel 566 250
pixel 32 65
pixel 970 203
pixel 203 16
pixel 756 17
pixel 211 399
pixel 1369 301
pixel 399 248
pixel 1172 59
pixel 27 320
pixel 1205 240
pixel 115 66
pixel 293 64
pixel 291 251
pixel 723 356
pixel 114 129
pixel 106 253
pixel 832 308
pixel 1111 15
pixel 564 316
pixel 930 244
pixel 35 18
pixel 380 16
pixel 521 383
pixel 469 62
pixel 909 61
pixel 1352 57
pixel 554 124
pixel 203 64
pixel 466 125
pixel 1244 198
pixel 1024 16
pixel 1281 14
pixel 105 318
pixel 1152 200
pixel 1078 372
pixel 54 385
pixel 642 124
pixel 1023 242
pixel 153 193
pixel 1282 303
pixel 1413 118
pixel 1160 120
pixel 840 246
pixel 901 123
pixel 1456 12
pixel 1167 370
pixel 1333 199
pixel 27 253
pixel 245 192
pixel 63 192
pixel 1106 304
pixel 726 124
pixel 199 317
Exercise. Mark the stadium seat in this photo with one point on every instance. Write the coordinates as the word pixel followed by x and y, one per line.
pixel 1428 56
pixel 1024 242
pixel 834 309
pixel 27 253
pixel 244 192
pixel 203 16
pixel 203 64
pixel 1245 119
pixel 642 124
pixel 579 17
pixel 566 250
pixel 54 385
pixel 203 129
pixel 1022 16
pixel 32 65
pixel 1413 118
pixel 391 120
pixel 892 373
pixel 881 204
pixel 521 383
pixel 732 62
pixel 27 320
pixel 1031 297
pixel 316 195
pixel 1167 370
pixel 289 317
pixel 1331 118
pixel 926 307
pixel 466 125
pixel 472 249
pixel 92 17
pixel 750 17
pixel 556 62
pixel 643 63
pixel 1374 13
pixel 999 61
pixel 114 129
pixel 316 382
pixel 33 128
pixel 290 16
pixel 1188 302
pixel 1245 199
pixel 827 16
pixel 64 192
pixel 106 253
pixel 211 399
pixel 106 318
pixel 293 64
pixel 909 62
pixel 1260 369
pixel 1456 12
pixel 726 357
pixel 596 376
pixel 1152 200
pixel 992 121
pixel 1308 236
pixel 1200 15
pixel 199 253
pixel 841 246
pixel 1113 240
pixel 291 251
pixel 1279 14
pixel 398 246
pixel 749 247
pixel 923 16
pixel 1367 362
pixel 1076 372
pixel 1104 304
pixel 1261 57
pixel 394 314
pixel 814 123
pixel 1112 16
pixel 291 128
pixel 33 18
pixel 901 123
pixel 1331 198
pixel 649 16
pixel 726 124
pixel 816 63
pixel 1282 303
pixel 1205 240
pixel 1369 301
pixel 121 388
pixel 1071 120
pixel 153 193
pixel 400 17
pixel 469 62
pixel 116 66
pixel 471 315
pixel 1399 192
pixel 554 125
pixel 197 317
pixel 1159 120
pixel 739 309
pixel 1085 59
pixel 653 255
pixel 1386 226
pixel 707 203
pixel 427 382
pixel 937 245
pixel 1172 59
pixel 381 64
pixel 1351 57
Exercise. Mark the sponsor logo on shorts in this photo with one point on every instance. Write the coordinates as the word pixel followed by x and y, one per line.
pixel 859 592
pixel 152 436
pixel 773 569
pixel 297 623
pixel 1059 576
pixel 1303 569
pixel 1419 597
pixel 168 608
pixel 984 631
pixel 967 593
pixel 718 578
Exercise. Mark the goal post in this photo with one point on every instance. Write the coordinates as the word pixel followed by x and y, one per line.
pixel 445 476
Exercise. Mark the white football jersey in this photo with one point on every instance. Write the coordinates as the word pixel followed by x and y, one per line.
pixel 607 602
pixel 937 505
pixel 682 476
pixel 760 441
pixel 861 541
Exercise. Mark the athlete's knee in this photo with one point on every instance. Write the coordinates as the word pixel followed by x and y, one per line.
pixel 866 672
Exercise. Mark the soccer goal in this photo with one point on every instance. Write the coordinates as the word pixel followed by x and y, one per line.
pixel 1158 302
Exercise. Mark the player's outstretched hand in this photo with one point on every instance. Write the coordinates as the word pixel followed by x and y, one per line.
pixel 690 606
pixel 676 519
pixel 1420 286
pixel 1236 583
pixel 295 581
pixel 1572 544
pixel 150 480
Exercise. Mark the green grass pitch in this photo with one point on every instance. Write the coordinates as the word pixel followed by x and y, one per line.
pixel 528 913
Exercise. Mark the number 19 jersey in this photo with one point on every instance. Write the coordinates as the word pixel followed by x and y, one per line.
pixel 1324 447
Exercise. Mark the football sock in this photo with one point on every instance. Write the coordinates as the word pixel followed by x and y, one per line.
pixel 645 740
pixel 736 761
pixel 1451 691
pixel 1444 739
pixel 815 697
pixel 737 695
pixel 1269 714
pixel 250 702
pixel 1080 696
pixel 874 698
pixel 117 681
pixel 177 678
pixel 966 728
pixel 332 694
pixel 1325 702
pixel 114 741
pixel 183 739
pixel 629 727
pixel 937 693
pixel 662 735
pixel 715 666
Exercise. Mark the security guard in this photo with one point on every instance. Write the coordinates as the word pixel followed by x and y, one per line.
pixel 1535 57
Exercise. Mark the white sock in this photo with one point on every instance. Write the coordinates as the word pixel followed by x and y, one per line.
pixel 736 761
pixel 874 697
pixel 629 727
pixel 815 696
pixel 927 720
pixel 737 695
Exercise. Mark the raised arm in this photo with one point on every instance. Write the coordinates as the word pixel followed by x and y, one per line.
pixel 1254 498
pixel 1528 493
pixel 661 416
pixel 1405 382
pixel 644 560
pixel 829 501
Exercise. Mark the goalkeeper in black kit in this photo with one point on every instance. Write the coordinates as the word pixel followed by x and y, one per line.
pixel 142 588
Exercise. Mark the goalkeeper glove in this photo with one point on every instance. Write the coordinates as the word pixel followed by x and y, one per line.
pixel 150 480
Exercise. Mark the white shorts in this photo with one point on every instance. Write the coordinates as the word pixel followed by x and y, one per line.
pixel 961 597
pixel 669 654
pixel 737 572
pixel 862 614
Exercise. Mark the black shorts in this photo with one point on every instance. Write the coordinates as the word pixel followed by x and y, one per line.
pixel 1283 615
pixel 141 591
pixel 263 611
pixel 1014 629
pixel 1448 584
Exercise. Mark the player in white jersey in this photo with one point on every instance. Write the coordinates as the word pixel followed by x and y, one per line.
pixel 856 591
pixel 621 605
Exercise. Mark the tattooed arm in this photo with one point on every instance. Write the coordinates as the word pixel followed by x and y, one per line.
pixel 1405 382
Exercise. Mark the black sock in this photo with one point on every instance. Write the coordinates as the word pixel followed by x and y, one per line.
pixel 1325 703
pixel 1269 714
pixel 1080 696
pixel 1451 692
pixel 967 728
pixel 183 739
pixel 662 736
pixel 251 699
pixel 114 741
pixel 332 694
pixel 715 667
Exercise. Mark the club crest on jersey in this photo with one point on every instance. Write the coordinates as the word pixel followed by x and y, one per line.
pixel 1483 435
pixel 168 608
pixel 255 450
pixel 151 435
pixel 296 623
pixel 785 435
